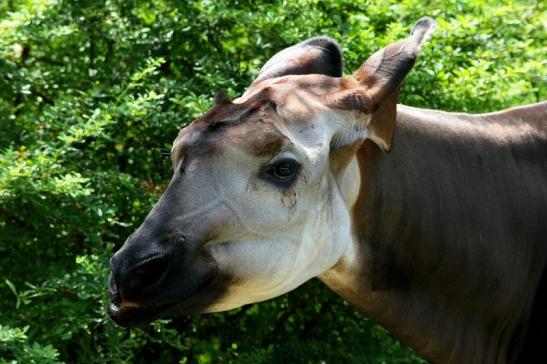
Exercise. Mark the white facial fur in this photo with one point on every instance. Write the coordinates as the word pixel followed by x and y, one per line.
pixel 277 239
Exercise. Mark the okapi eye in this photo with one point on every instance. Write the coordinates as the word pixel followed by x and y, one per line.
pixel 283 169
pixel 282 172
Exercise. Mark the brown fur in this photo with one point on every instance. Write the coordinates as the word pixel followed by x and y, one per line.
pixel 450 236
pixel 453 235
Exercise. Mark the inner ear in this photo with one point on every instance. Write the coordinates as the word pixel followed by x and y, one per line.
pixel 347 139
pixel 341 155
pixel 382 122
pixel 319 55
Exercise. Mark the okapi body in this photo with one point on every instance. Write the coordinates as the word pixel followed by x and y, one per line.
pixel 452 231
pixel 433 224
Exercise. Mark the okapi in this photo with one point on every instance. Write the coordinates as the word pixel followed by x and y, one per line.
pixel 433 224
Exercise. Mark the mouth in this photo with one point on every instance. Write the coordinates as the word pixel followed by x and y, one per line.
pixel 131 314
pixel 135 315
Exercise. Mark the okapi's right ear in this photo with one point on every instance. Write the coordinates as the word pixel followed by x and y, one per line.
pixel 319 55
pixel 375 85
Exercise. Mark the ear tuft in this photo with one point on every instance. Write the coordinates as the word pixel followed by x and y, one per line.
pixel 422 30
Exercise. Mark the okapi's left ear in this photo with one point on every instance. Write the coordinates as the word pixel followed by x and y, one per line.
pixel 376 83
pixel 319 55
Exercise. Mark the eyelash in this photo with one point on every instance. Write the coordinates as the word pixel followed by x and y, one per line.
pixel 281 177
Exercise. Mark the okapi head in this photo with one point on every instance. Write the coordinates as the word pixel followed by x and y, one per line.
pixel 263 186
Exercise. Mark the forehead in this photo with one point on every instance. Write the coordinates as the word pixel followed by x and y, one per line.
pixel 253 128
pixel 258 121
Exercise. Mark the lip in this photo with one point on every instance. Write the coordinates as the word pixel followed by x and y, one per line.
pixel 137 315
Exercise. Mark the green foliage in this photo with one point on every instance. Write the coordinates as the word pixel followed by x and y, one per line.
pixel 14 344
pixel 93 92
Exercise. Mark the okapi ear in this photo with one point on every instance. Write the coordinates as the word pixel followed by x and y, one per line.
pixel 378 81
pixel 319 55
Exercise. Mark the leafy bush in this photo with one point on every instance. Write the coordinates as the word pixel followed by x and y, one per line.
pixel 93 92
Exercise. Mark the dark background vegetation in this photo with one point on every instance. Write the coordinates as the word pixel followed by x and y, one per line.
pixel 92 93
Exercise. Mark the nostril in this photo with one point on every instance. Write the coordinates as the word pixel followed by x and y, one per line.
pixel 149 275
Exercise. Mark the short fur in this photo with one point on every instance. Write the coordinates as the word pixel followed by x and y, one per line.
pixel 431 223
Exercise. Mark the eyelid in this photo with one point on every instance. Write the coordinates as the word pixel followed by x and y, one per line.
pixel 265 175
pixel 282 156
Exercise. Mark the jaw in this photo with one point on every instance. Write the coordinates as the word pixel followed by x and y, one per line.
pixel 297 257
pixel 220 294
pixel 201 298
